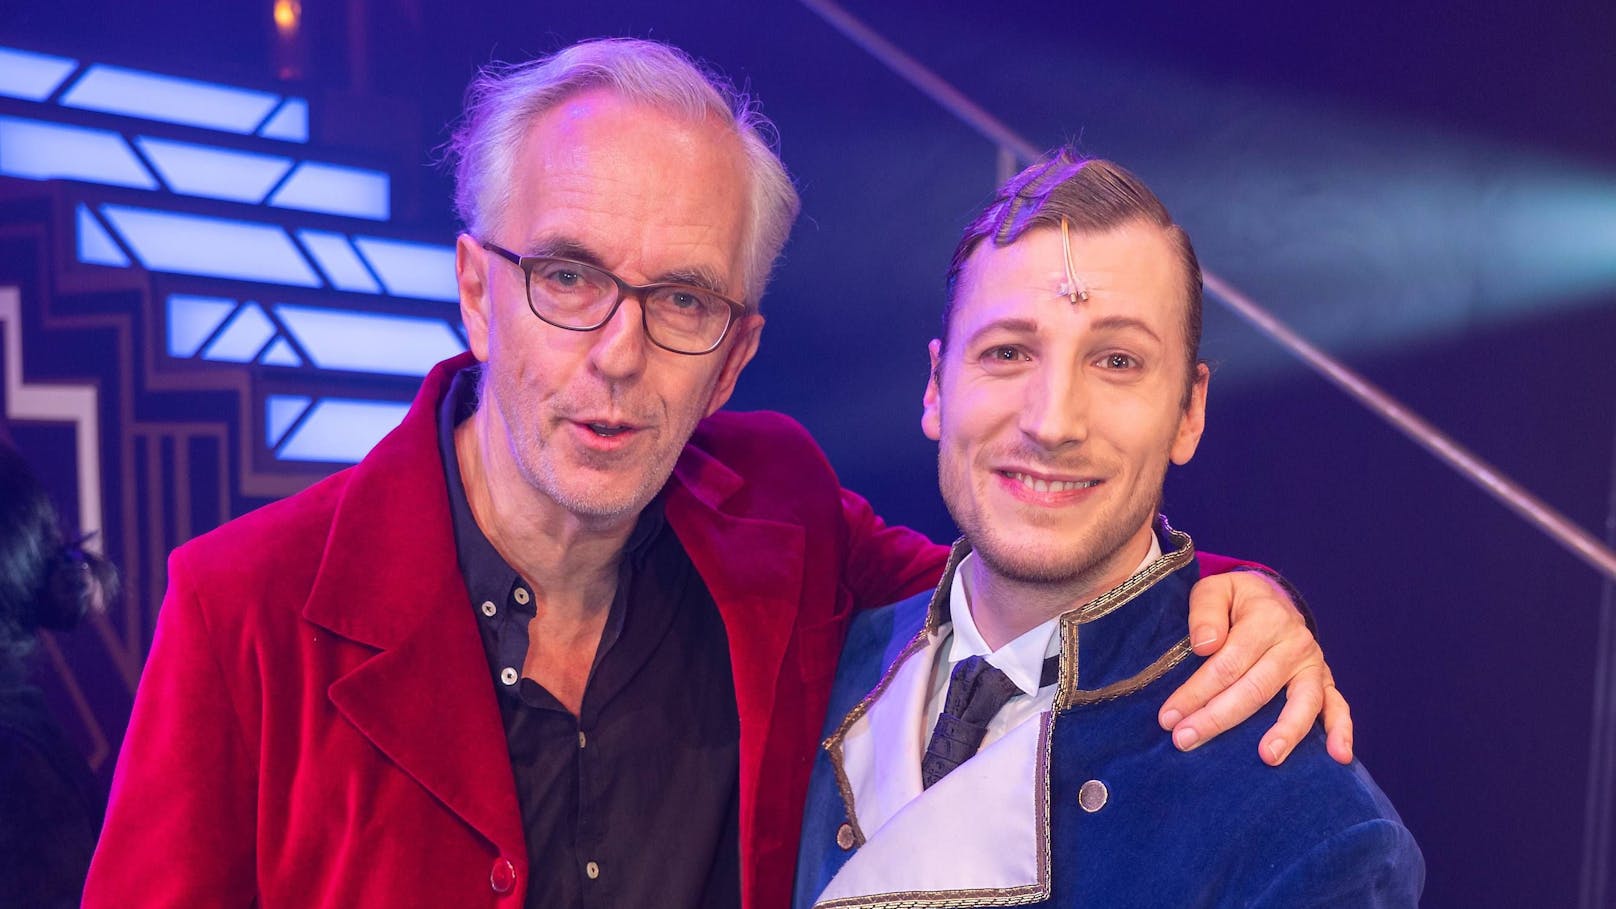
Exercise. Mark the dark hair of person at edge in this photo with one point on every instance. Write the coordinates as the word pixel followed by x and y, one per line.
pixel 50 805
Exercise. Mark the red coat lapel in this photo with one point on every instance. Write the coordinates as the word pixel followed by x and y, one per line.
pixel 389 579
pixel 754 570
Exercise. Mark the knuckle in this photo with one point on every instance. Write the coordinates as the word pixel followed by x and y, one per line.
pixel 1226 668
pixel 1297 718
pixel 1253 690
pixel 1214 722
pixel 1306 696
pixel 1343 710
pixel 1304 654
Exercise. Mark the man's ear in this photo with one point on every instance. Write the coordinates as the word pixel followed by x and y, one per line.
pixel 1193 422
pixel 931 417
pixel 743 346
pixel 476 305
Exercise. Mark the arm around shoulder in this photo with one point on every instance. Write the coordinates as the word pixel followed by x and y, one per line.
pixel 181 818
pixel 885 564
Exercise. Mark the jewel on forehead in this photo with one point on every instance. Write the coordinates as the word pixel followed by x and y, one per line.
pixel 1071 288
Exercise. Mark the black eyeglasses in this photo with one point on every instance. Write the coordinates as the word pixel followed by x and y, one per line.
pixel 578 296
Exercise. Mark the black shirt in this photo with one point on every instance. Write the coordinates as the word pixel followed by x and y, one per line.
pixel 634 801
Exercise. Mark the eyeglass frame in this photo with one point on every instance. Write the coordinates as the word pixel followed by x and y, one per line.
pixel 737 310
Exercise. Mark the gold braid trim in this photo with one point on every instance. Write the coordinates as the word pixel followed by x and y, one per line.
pixel 1067 693
pixel 934 613
pixel 985 896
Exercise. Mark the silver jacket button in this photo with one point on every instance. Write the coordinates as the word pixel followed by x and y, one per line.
pixel 1092 796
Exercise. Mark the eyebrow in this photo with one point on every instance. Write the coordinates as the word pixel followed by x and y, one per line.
pixel 1030 327
pixel 1123 323
pixel 1007 324
pixel 568 248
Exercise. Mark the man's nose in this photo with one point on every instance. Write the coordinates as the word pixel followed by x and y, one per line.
pixel 1055 412
pixel 620 345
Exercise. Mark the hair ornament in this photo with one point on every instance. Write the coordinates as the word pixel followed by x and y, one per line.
pixel 1071 288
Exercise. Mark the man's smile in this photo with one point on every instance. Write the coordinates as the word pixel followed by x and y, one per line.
pixel 1045 489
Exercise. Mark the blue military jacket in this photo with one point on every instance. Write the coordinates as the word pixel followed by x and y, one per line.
pixel 1088 804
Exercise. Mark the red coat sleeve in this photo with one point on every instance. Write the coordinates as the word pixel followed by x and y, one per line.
pixel 1212 563
pixel 885 564
pixel 180 823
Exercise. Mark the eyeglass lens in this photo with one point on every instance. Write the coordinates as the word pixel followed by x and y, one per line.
pixel 575 295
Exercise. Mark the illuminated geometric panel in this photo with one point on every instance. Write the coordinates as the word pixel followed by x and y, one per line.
pixel 412 269
pixel 151 96
pixel 336 190
pixel 192 320
pixel 217 247
pixel 31 76
pixel 218 173
pixel 243 338
pixel 290 123
pixel 280 353
pixel 53 151
pixel 334 255
pixel 96 246
pixel 280 412
pixel 370 342
pixel 341 431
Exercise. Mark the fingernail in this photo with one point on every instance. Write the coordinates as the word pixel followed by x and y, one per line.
pixel 1277 750
pixel 1170 719
pixel 1186 739
pixel 1204 637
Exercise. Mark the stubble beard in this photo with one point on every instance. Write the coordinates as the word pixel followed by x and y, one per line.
pixel 536 461
pixel 1080 562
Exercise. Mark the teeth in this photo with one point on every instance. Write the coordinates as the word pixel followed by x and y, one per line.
pixel 601 429
pixel 1040 485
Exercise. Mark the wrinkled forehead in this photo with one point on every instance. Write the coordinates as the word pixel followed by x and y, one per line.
pixel 632 181
pixel 603 134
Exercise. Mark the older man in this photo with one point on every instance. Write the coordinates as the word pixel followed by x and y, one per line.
pixel 565 637
pixel 995 742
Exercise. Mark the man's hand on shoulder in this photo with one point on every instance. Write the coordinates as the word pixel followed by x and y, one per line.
pixel 1256 642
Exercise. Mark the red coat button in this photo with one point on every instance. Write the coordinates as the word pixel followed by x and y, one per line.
pixel 503 877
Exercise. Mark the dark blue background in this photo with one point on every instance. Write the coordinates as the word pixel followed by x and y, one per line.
pixel 1426 190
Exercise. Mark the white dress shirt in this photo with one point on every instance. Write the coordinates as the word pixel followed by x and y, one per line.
pixel 1021 659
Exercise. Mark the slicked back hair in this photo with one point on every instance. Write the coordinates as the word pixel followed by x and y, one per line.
pixel 1094 196
pixel 503 101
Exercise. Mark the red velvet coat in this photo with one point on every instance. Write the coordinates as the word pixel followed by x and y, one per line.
pixel 317 727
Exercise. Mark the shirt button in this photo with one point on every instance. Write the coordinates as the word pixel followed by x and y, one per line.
pixel 844 837
pixel 593 870
pixel 581 739
pixel 521 596
pixel 503 877
pixel 1092 796
pixel 508 675
pixel 489 608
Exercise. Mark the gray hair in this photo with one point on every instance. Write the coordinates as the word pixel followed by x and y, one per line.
pixel 504 99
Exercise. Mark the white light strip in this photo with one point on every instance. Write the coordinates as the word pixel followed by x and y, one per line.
pixel 76 404
pixel 152 96
pixel 31 76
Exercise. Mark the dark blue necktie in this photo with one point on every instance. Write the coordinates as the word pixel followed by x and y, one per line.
pixel 976 692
